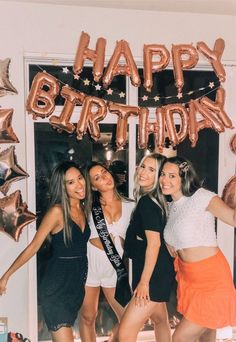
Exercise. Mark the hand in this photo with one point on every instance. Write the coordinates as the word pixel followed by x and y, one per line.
pixel 141 294
pixel 3 286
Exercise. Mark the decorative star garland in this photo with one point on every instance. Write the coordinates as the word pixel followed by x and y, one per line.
pixel 211 87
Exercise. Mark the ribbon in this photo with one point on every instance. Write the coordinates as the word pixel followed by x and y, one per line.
pixel 123 291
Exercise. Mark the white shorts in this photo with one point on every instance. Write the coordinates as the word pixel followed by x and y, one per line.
pixel 100 269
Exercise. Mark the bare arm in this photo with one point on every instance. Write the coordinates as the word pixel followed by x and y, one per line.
pixel 153 246
pixel 50 222
pixel 222 211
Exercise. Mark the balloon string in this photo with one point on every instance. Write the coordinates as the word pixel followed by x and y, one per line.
pixel 205 94
pixel 213 85
pixel 109 91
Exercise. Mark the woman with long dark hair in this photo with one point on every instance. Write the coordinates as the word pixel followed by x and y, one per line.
pixel 105 246
pixel 62 286
pixel 206 295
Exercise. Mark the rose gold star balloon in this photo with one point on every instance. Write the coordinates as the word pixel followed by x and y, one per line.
pixel 10 171
pixel 5 85
pixel 229 192
pixel 7 134
pixel 14 215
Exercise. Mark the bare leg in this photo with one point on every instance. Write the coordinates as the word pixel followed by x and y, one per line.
pixel 116 307
pixel 187 331
pixel 88 313
pixel 64 334
pixel 134 318
pixel 161 323
pixel 208 336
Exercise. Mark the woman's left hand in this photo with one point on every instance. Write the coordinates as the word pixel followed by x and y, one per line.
pixel 141 294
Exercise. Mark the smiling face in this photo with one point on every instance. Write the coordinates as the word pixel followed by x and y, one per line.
pixel 101 179
pixel 146 174
pixel 170 181
pixel 75 184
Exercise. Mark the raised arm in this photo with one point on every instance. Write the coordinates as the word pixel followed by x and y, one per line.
pixel 222 211
pixel 49 223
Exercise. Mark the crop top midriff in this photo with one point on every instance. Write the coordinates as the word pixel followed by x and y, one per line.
pixel 189 224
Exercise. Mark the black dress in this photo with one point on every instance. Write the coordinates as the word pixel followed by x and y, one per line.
pixel 62 286
pixel 148 216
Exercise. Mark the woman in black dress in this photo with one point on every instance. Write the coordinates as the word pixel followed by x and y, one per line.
pixel 62 287
pixel 152 265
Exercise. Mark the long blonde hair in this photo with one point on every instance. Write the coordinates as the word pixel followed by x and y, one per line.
pixel 155 192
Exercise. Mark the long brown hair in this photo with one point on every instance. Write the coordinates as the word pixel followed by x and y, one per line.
pixel 92 194
pixel 190 181
pixel 58 194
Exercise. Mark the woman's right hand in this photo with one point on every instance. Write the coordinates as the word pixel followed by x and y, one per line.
pixel 3 286
pixel 141 294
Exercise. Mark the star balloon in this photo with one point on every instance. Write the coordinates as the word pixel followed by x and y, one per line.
pixel 10 171
pixel 14 215
pixel 5 85
pixel 7 134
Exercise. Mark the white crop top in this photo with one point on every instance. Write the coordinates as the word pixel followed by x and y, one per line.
pixel 189 224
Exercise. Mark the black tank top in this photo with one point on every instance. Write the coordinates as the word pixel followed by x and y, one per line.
pixel 76 247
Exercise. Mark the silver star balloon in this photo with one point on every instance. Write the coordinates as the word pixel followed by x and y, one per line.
pixel 10 171
pixel 5 85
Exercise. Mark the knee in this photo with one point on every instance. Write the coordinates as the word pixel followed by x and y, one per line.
pixel 158 319
pixel 88 318
pixel 208 336
pixel 179 337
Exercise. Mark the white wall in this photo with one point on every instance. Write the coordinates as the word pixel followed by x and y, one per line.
pixel 46 29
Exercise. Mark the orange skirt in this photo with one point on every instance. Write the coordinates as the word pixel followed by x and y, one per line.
pixel 206 294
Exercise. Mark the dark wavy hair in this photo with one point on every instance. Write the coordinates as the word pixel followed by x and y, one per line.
pixel 190 181
pixel 91 194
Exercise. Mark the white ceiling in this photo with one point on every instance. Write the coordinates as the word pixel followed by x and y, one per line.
pixel 225 7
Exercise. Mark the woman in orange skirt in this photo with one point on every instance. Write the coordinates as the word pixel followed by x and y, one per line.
pixel 206 294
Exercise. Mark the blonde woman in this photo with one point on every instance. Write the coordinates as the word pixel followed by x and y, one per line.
pixel 152 265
